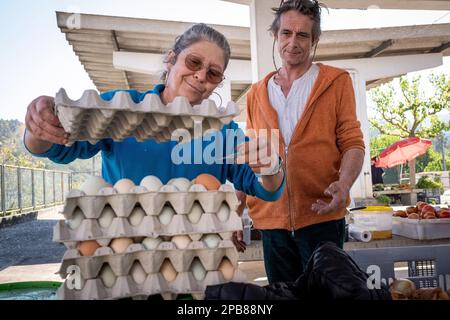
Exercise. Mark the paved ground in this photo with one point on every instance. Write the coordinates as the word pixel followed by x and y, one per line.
pixel 27 252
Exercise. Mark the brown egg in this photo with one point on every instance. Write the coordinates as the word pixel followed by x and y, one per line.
pixel 120 245
pixel 210 182
pixel 227 269
pixel 168 271
pixel 87 248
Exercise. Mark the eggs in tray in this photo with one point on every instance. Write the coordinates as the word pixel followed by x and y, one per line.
pixel 97 186
pixel 131 240
pixel 179 207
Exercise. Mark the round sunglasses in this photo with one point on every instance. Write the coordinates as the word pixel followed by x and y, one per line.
pixel 195 63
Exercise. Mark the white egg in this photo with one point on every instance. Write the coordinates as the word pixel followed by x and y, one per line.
pixel 107 217
pixel 107 276
pixel 182 184
pixel 136 216
pixel 166 215
pixel 224 212
pixel 124 186
pixel 212 240
pixel 76 219
pixel 198 271
pixel 151 243
pixel 92 185
pixel 196 236
pixel 152 183
pixel 138 273
pixel 196 213
pixel 181 241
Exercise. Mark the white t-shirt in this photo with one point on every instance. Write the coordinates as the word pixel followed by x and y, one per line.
pixel 290 109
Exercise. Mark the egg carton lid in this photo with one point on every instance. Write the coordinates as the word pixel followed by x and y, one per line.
pixel 126 287
pixel 91 118
pixel 151 202
pixel 151 261
pixel 150 226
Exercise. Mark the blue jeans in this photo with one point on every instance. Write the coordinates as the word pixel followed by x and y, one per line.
pixel 286 253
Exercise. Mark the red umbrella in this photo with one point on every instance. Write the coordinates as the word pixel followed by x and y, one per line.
pixel 402 151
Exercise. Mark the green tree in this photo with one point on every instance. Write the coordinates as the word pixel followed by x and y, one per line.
pixel 414 114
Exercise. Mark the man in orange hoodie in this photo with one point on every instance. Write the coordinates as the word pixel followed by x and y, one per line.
pixel 321 143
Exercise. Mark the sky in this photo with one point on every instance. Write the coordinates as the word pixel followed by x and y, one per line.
pixel 36 60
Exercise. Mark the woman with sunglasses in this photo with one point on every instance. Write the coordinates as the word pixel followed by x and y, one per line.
pixel 194 68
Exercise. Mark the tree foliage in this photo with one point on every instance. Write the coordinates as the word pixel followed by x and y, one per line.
pixel 409 112
pixel 414 114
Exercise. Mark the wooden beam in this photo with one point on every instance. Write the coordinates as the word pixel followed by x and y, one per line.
pixel 378 50
pixel 444 46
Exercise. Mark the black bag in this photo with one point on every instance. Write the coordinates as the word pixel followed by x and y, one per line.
pixel 331 274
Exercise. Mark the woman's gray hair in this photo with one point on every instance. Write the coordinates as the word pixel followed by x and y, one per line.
pixel 196 33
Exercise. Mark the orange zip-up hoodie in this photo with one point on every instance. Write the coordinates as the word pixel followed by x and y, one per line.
pixel 327 129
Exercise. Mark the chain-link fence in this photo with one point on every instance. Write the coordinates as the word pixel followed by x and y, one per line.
pixel 26 189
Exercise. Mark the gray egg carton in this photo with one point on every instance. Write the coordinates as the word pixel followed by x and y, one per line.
pixel 225 236
pixel 149 227
pixel 126 287
pixel 91 118
pixel 150 260
pixel 151 202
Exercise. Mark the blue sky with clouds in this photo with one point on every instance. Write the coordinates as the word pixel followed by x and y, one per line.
pixel 35 58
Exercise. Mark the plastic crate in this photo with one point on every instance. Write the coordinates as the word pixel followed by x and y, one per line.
pixel 427 266
pixel 428 229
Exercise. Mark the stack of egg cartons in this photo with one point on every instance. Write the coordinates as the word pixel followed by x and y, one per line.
pixel 152 239
pixel 91 118
pixel 131 241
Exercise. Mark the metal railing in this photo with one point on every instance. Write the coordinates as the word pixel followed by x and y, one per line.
pixel 27 189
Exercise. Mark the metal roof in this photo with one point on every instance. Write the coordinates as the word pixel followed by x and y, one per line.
pixel 382 4
pixel 99 36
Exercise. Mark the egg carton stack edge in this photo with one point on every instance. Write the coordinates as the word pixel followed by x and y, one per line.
pixel 91 118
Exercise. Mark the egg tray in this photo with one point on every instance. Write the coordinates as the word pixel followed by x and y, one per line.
pixel 91 118
pixel 106 241
pixel 150 226
pixel 126 287
pixel 151 202
pixel 150 260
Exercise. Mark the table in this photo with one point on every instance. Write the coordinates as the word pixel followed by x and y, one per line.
pixel 254 250
pixel 407 197
pixel 425 262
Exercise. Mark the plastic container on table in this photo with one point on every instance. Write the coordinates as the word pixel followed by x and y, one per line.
pixel 376 219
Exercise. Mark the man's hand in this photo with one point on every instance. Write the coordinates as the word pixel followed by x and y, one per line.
pixel 339 192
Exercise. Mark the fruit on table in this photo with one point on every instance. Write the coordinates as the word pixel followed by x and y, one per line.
pixel 410 210
pixel 427 208
pixel 423 210
pixel 403 288
pixel 400 213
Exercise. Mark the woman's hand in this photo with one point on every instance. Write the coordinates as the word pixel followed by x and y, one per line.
pixel 260 154
pixel 43 126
